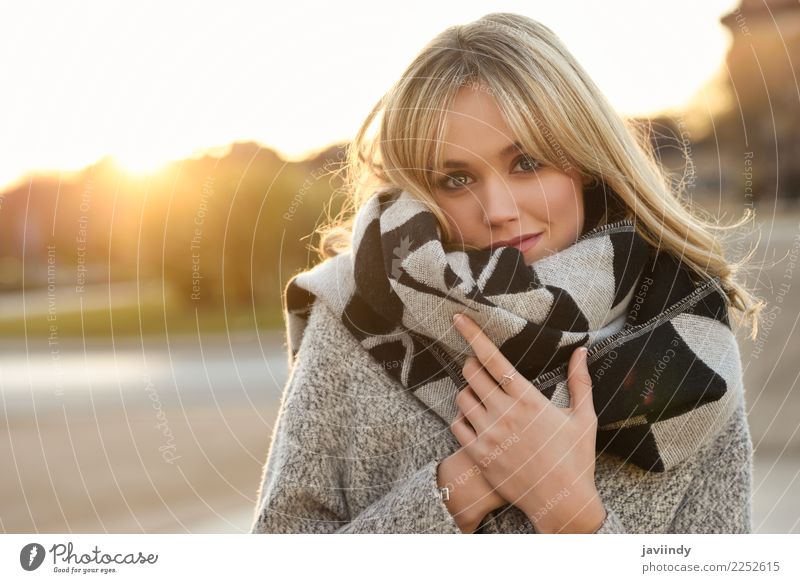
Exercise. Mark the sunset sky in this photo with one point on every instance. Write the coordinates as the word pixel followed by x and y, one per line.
pixel 148 82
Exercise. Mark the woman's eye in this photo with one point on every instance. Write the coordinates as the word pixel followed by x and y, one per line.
pixel 458 181
pixel 448 185
pixel 532 164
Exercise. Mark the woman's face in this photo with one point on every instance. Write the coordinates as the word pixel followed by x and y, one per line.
pixel 491 191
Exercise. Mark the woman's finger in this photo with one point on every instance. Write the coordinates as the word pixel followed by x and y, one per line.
pixel 462 430
pixel 493 360
pixel 483 384
pixel 579 383
pixel 472 408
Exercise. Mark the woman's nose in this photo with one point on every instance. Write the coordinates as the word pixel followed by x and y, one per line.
pixel 500 206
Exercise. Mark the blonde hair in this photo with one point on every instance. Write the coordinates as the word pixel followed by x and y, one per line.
pixel 561 118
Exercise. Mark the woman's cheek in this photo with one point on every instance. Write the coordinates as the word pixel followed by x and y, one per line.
pixel 465 222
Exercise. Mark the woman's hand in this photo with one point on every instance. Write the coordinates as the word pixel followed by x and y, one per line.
pixel 471 496
pixel 537 456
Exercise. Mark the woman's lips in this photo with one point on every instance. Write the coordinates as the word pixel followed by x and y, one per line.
pixel 524 244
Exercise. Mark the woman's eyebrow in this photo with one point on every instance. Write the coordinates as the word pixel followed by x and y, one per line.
pixel 508 150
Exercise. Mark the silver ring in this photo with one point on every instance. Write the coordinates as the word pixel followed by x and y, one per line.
pixel 507 379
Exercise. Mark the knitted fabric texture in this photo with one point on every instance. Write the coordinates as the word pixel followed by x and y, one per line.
pixel 662 355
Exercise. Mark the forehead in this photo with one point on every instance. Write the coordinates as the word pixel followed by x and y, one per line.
pixel 474 129
pixel 474 110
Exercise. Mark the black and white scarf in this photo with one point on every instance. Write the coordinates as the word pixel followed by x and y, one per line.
pixel 665 365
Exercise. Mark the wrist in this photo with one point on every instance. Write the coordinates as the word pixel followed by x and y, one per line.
pixel 587 521
pixel 468 501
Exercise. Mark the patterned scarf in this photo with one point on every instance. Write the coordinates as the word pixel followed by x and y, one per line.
pixel 665 365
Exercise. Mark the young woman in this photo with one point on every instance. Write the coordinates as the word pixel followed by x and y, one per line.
pixel 501 185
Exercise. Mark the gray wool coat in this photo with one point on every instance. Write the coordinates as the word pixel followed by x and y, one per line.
pixel 352 453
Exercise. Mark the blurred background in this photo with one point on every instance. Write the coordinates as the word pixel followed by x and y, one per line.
pixel 164 168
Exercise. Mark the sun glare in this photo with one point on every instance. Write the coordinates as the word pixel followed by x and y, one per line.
pixel 147 104
pixel 139 164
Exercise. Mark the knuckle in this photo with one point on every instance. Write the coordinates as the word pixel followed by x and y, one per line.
pixel 469 366
pixel 503 422
pixel 528 397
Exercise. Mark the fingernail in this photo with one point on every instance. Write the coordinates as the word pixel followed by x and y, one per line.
pixel 456 318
